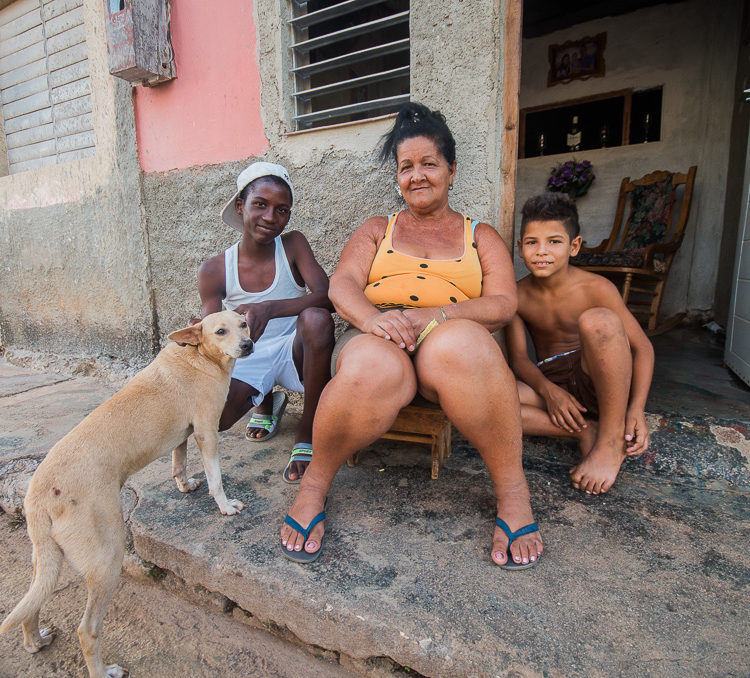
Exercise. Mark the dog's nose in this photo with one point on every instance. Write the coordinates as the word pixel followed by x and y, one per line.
pixel 246 346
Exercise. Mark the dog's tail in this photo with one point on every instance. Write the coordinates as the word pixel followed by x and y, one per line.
pixel 47 557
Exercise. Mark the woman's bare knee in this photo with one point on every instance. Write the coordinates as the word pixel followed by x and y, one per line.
pixel 464 350
pixel 376 366
pixel 460 344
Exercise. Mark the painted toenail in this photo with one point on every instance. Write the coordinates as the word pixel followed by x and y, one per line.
pixel 283 541
pixel 533 558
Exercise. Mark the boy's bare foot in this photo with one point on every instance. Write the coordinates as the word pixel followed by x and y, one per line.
pixel 308 504
pixel 587 437
pixel 597 471
pixel 514 508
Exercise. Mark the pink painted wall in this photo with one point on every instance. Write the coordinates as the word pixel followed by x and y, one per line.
pixel 211 112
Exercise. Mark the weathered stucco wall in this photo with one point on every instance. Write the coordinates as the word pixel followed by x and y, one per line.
pixel 99 257
pixel 75 275
pixel 690 49
pixel 338 181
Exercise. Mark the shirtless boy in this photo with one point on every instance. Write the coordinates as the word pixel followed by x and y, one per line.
pixel 264 277
pixel 594 360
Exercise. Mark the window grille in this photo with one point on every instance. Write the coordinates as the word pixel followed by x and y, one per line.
pixel 45 93
pixel 350 59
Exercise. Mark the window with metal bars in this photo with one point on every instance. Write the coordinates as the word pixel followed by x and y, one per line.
pixel 350 59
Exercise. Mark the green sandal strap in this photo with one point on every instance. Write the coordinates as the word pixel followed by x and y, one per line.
pixel 301 452
pixel 265 421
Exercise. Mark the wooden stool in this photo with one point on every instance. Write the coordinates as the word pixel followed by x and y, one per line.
pixel 421 422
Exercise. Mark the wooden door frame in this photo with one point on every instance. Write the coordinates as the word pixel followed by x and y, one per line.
pixel 511 55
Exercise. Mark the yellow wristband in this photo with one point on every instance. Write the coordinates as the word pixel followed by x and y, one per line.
pixel 430 326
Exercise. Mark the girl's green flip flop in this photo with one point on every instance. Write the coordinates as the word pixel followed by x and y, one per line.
pixel 269 422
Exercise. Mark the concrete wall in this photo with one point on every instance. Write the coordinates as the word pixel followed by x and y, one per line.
pixel 338 181
pixel 73 247
pixel 100 256
pixel 690 49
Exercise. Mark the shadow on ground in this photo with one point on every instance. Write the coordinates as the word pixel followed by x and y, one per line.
pixel 649 579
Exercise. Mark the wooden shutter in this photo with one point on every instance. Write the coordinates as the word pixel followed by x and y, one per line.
pixel 45 90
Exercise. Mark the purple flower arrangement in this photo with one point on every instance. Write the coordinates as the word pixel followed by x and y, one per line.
pixel 571 177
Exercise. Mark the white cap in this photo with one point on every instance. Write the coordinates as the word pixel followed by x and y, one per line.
pixel 252 172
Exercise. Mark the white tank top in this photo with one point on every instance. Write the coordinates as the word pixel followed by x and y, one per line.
pixel 283 287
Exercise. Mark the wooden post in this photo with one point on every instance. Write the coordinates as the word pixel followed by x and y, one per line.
pixel 509 102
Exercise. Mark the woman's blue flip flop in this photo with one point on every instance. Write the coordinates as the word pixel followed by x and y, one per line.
pixel 303 556
pixel 510 564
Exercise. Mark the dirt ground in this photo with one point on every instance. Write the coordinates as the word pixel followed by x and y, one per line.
pixel 148 630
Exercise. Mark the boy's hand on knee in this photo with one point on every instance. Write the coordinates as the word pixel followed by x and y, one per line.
pixel 564 410
pixel 637 437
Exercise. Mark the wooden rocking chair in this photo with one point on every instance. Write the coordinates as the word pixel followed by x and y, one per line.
pixel 640 250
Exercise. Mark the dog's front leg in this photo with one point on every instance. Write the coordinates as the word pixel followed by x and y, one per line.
pixel 179 468
pixel 208 445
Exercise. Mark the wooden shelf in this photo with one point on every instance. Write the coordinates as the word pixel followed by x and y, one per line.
pixel 622 113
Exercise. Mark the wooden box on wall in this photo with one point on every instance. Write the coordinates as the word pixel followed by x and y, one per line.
pixel 138 42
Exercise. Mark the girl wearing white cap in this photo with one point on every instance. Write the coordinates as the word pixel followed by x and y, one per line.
pixel 276 282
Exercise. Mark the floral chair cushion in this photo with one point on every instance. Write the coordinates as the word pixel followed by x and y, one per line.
pixel 621 258
pixel 651 213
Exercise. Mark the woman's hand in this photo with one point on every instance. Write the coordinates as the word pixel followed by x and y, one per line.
pixel 421 317
pixel 393 326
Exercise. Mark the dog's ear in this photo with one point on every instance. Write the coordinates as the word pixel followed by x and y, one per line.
pixel 188 335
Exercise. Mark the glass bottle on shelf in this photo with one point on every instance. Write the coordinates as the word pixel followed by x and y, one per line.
pixel 646 127
pixel 541 143
pixel 603 132
pixel 573 140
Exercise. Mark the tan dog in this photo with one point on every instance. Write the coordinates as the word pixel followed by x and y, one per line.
pixel 73 503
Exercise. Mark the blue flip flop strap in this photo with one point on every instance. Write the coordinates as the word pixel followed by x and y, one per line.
pixel 533 527
pixel 305 531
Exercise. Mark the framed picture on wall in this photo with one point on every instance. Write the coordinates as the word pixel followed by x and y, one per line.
pixel 576 60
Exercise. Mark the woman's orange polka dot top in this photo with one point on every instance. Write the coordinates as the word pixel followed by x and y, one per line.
pixel 398 279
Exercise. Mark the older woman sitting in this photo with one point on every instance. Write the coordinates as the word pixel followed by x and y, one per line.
pixel 423 289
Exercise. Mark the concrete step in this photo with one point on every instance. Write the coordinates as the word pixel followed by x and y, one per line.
pixel 648 579
pixel 644 580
